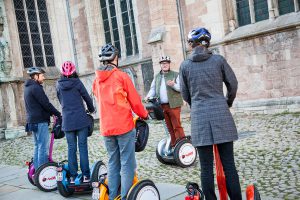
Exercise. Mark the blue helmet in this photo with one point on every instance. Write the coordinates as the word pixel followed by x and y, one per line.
pixel 199 35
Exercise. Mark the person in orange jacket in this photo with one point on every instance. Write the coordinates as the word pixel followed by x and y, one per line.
pixel 117 98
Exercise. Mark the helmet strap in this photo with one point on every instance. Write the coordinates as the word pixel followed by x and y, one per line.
pixel 113 64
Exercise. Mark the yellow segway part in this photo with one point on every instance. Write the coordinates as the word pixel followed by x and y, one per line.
pixel 104 189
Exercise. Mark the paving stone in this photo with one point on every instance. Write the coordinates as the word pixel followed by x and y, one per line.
pixel 267 153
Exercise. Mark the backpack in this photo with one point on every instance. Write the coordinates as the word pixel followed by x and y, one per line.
pixel 142 134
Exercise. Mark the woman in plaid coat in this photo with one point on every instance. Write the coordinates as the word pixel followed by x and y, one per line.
pixel 201 77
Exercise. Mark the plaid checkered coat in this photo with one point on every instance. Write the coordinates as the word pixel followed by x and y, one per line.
pixel 201 82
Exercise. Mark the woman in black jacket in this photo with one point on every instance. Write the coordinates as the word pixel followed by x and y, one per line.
pixel 71 93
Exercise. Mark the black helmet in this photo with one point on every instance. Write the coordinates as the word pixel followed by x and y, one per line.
pixel 108 52
pixel 35 70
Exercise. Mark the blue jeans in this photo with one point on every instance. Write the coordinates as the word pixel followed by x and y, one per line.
pixel 72 136
pixel 121 163
pixel 207 168
pixel 41 145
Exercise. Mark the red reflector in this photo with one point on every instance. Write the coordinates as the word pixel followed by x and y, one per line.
pixel 27 163
pixel 59 169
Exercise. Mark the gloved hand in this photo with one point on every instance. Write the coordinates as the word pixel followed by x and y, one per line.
pixel 147 117
pixel 59 119
pixel 229 104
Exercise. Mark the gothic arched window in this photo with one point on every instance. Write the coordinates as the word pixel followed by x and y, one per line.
pixel 34 33
pixel 119 25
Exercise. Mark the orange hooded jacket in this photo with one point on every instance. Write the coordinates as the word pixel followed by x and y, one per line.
pixel 117 98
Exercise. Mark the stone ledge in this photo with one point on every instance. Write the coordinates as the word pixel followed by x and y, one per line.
pixel 14 132
pixel 283 22
pixel 268 106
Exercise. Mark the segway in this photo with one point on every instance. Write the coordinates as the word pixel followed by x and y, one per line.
pixel 195 193
pixel 251 190
pixel 45 176
pixel 63 179
pixel 183 154
pixel 140 190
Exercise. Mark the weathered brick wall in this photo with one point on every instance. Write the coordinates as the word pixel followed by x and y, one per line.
pixel 81 35
pixel 267 66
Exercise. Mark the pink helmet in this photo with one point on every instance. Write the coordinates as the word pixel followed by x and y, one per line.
pixel 67 68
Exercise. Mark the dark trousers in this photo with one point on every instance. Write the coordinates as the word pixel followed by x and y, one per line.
pixel 207 166
pixel 172 118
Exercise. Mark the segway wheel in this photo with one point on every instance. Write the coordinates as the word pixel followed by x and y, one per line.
pixel 160 159
pixel 98 170
pixel 185 153
pixel 144 190
pixel 45 177
pixel 63 191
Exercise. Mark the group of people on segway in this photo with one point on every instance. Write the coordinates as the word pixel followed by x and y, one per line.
pixel 199 83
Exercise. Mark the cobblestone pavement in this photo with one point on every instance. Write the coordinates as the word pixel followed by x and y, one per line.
pixel 267 153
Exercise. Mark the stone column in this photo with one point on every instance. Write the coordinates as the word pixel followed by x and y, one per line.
pixel 10 98
pixel 13 130
pixel 271 9
pixel 252 12
pixel 165 33
pixel 296 3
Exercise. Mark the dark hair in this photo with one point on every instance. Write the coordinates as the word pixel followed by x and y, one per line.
pixel 74 75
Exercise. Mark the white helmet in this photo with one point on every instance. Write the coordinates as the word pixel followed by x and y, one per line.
pixel 164 59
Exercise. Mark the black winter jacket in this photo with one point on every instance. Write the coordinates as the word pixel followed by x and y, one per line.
pixel 38 107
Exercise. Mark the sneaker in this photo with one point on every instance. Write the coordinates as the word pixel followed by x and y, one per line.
pixel 86 179
pixel 72 180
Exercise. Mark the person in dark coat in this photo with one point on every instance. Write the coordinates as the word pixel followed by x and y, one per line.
pixel 38 112
pixel 75 122
pixel 202 76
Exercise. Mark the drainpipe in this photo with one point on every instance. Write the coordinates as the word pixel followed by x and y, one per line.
pixel 181 28
pixel 72 34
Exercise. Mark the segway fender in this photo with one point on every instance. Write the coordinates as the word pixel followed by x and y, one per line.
pixel 161 146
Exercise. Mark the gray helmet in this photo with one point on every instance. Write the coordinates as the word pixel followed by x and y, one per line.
pixel 35 70
pixel 108 52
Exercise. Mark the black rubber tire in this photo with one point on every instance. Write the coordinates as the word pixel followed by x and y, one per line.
pixel 37 174
pixel 256 194
pixel 95 173
pixel 62 190
pixel 134 192
pixel 160 159
pixel 177 150
pixel 30 179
